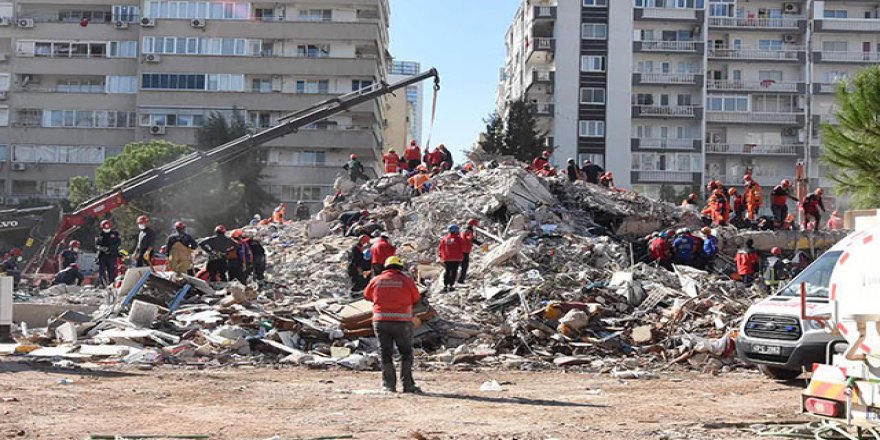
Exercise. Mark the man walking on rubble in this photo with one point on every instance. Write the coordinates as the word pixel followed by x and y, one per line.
pixel 241 259
pixel 451 252
pixel 380 251
pixel 358 265
pixel 539 162
pixel 393 295
pixel 811 204
pixel 779 201
pixel 592 171
pixel 355 169
pixel 143 253
pixel 217 247
pixel 747 262
pixel 180 246
pixel 754 196
pixel 259 255
pixel 470 240
pixel 107 244
pixel 572 171
pixel 302 211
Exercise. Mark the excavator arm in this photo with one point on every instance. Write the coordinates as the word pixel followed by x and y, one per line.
pixel 195 163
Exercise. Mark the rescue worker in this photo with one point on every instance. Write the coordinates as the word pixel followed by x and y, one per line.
pixel 710 248
pixel 302 211
pixel 470 240
pixel 10 266
pixel 445 157
pixel 358 265
pixel 737 204
pixel 754 196
pixel 419 180
pixel 393 295
pixel 812 204
pixel 607 180
pixel 591 172
pixel 379 252
pixel 684 247
pixel 572 171
pixel 180 246
pixel 835 223
pixel 259 252
pixel 349 218
pixel 539 162
pixel 718 208
pixel 774 270
pixel 699 257
pixel 355 169
pixel 548 171
pixel 451 253
pixel 217 247
pixel 391 161
pixel 69 255
pixel 779 201
pixel 256 220
pixel 433 158
pixel 413 155
pixel 70 276
pixel 660 251
pixel 691 200
pixel 747 262
pixel 107 244
pixel 143 252
pixel 241 259
pixel 279 213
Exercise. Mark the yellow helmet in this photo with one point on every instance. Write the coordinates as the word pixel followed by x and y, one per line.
pixel 394 260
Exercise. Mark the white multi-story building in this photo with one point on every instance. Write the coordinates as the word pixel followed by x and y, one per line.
pixel 414 93
pixel 677 92
pixel 80 80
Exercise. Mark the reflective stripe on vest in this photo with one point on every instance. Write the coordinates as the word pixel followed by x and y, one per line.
pixel 393 315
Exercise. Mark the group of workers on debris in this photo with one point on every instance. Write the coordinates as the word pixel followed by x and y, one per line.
pixel 589 171
pixel 419 168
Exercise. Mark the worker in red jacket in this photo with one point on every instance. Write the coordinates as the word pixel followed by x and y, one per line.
pixel 393 295
pixel 469 240
pixel 433 158
pixel 660 250
pixel 412 155
pixel 737 204
pixel 539 162
pixel 748 262
pixel 779 201
pixel 392 162
pixel 380 251
pixel 812 204
pixel 451 254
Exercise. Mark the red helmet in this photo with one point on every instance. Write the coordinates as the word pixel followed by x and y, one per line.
pixel 785 183
pixel 365 213
pixel 15 252
pixel 473 222
pixel 820 191
pixel 776 251
pixel 142 220
pixel 179 225
pixel 364 239
pixel 747 178
pixel 692 196
pixel 547 153
pixel 731 191
pixel 353 156
pixel 609 175
pixel 163 249
pixel 106 224
pixel 238 233
pixel 220 229
pixel 75 243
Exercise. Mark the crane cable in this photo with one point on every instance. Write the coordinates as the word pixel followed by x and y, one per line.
pixel 433 115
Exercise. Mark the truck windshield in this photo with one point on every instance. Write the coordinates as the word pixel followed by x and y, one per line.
pixel 817 276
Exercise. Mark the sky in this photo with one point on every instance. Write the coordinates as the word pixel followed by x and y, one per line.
pixel 464 40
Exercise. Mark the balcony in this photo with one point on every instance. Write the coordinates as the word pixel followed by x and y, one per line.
pixel 825 88
pixel 669 14
pixel 666 78
pixel 544 13
pixel 846 57
pixel 540 77
pixel 668 46
pixel 544 109
pixel 784 118
pixel 755 150
pixel 756 86
pixel 665 144
pixel 788 23
pixel 665 177
pixel 847 25
pixel 541 50
pixel 667 111
pixel 790 53
pixel 764 181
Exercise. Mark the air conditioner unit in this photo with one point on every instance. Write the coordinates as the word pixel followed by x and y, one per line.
pixel 5 21
pixel 26 23
pixel 119 24
pixel 18 166
pixel 148 22
pixel 197 23
pixel 152 58
pixel 157 130
pixel 791 8
pixel 790 131
pixel 3 95
pixel 790 38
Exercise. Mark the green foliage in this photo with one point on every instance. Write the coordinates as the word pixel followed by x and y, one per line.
pixel 136 158
pixel 676 193
pixel 852 148
pixel 516 136
pixel 493 143
pixel 81 188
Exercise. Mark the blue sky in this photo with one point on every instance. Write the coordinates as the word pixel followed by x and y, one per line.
pixel 464 40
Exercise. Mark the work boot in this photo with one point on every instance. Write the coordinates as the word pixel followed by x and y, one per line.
pixel 409 384
pixel 413 390
pixel 389 378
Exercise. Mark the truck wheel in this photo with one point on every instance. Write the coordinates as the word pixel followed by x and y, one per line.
pixel 778 373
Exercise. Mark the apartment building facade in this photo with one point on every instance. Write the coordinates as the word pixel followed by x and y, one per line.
pixel 80 80
pixel 676 92
pixel 414 94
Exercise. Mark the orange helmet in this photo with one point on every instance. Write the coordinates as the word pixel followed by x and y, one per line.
pixel 718 192
pixel 731 191
pixel 238 233
pixel 776 251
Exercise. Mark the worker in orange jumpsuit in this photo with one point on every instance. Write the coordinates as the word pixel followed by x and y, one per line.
pixel 718 208
pixel 754 197
pixel 691 200
pixel 737 204
pixel 278 213
pixel 392 162
pixel 419 181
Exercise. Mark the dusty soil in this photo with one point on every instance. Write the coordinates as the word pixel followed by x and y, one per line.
pixel 259 403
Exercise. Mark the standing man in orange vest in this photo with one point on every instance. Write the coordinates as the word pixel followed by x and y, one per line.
pixel 412 155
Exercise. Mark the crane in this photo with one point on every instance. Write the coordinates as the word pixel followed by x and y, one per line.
pixel 41 244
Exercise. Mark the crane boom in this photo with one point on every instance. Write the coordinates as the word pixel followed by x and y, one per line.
pixel 195 163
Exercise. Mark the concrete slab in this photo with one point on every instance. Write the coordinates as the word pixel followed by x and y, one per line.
pixel 38 315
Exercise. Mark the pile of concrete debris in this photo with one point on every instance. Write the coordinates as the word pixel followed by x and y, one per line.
pixel 560 284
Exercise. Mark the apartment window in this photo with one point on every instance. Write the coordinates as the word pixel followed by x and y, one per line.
pixel 173 81
pixel 835 13
pixel 834 46
pixel 591 128
pixel 265 14
pixel 316 14
pixel 643 99
pixel 313 50
pixel 80 86
pixel 174 117
pixel 834 76
pixel 595 3
pixel 684 100
pixel 261 85
pixel 590 95
pixel 121 84
pixel 358 84
pixel 123 49
pixel 261 119
pixel 225 82
pixel 61 49
pixel 770 45
pixel 4 156
pixel 28 117
pixel 773 76
pixel 87 119
pixel 75 16
pixel 4 116
pixel 594 31
pixel 59 154
pixel 592 63
pixel 313 86
pixel 730 103
pixel 311 158
pixel 56 188
pixel 197 9
pixel 4 82
pixel 25 187
pixel 126 13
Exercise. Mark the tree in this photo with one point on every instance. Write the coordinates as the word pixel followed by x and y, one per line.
pixel 521 138
pixel 240 194
pixel 493 137
pixel 852 147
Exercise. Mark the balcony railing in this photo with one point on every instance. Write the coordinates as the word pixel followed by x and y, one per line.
pixel 547 44
pixel 680 111
pixel 667 143
pixel 790 53
pixel 765 85
pixel 665 176
pixel 737 180
pixel 668 46
pixel 753 117
pixel 667 78
pixel 544 109
pixel 792 23
pixel 848 24
pixel 763 150
pixel 852 57
pixel 669 13
pixel 825 87
pixel 544 12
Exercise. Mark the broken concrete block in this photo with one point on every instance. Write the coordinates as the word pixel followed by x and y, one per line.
pixel 317 229
pixel 66 333
pixel 643 334
pixel 575 319
pixel 143 314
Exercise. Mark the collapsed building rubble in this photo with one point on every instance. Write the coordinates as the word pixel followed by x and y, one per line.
pixel 561 284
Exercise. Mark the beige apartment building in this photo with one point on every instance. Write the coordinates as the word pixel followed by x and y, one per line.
pixel 80 80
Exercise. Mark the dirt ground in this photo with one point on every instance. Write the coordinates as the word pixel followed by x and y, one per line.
pixel 259 403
